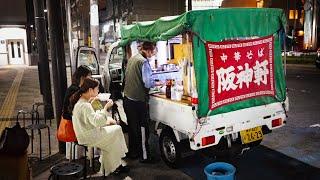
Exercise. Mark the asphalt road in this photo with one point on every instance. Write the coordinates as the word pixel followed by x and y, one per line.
pixel 288 153
pixel 300 138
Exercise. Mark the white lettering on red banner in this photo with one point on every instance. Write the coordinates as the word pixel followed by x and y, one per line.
pixel 240 70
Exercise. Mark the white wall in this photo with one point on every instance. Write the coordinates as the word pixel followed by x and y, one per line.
pixel 204 4
pixel 3 52
pixel 12 33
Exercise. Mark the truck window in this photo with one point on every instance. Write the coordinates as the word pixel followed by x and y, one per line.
pixel 87 57
pixel 115 65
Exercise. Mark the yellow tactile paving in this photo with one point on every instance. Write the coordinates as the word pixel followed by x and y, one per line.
pixel 10 101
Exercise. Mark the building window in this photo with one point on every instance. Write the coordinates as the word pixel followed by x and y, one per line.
pixel 12 49
pixel 19 53
pixel 293 14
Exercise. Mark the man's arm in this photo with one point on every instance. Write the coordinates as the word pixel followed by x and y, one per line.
pixel 147 75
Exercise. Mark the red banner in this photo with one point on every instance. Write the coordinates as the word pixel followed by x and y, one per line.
pixel 240 70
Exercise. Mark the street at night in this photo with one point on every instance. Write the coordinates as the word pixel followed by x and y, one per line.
pixel 160 90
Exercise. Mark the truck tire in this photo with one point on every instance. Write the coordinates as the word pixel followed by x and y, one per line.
pixel 170 149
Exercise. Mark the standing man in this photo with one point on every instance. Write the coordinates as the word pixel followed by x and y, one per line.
pixel 138 80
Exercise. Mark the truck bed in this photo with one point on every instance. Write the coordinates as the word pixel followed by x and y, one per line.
pixel 181 117
pixel 176 114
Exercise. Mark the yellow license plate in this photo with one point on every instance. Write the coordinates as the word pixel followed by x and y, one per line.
pixel 251 135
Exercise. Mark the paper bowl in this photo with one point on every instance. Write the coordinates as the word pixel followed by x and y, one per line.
pixel 104 96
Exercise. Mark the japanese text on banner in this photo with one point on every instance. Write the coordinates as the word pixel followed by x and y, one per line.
pixel 240 70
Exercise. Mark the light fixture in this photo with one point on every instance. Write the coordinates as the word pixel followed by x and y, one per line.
pixel 300 33
pixel 260 3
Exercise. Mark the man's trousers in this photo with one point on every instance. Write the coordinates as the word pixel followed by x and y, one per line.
pixel 138 128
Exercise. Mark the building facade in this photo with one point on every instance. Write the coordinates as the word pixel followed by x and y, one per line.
pixel 13 34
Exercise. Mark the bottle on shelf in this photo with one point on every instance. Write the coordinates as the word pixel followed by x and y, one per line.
pixel 168 88
pixel 194 99
pixel 173 95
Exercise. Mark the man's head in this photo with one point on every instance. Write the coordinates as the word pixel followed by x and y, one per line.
pixel 148 49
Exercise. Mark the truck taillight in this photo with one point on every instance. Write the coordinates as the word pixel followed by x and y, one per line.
pixel 194 100
pixel 276 122
pixel 194 97
pixel 208 140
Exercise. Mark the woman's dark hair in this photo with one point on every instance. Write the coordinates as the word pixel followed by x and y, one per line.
pixel 87 84
pixel 82 71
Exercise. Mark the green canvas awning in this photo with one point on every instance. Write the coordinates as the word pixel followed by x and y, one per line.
pixel 216 25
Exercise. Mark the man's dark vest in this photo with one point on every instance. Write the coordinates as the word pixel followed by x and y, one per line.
pixel 134 87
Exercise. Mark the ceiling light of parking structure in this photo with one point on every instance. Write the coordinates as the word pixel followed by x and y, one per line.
pixel 168 18
pixel 45 10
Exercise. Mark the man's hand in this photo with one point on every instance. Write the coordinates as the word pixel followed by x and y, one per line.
pixel 109 104
pixel 158 83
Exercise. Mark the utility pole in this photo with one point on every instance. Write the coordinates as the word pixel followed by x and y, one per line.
pixel 29 28
pixel 69 28
pixel 315 20
pixel 94 26
pixel 57 57
pixel 294 24
pixel 43 64
pixel 308 20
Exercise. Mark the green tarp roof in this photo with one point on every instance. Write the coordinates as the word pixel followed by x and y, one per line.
pixel 198 21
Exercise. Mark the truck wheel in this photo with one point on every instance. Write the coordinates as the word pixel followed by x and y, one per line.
pixel 170 149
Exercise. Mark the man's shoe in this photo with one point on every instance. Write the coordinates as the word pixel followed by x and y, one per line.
pixel 132 156
pixel 148 161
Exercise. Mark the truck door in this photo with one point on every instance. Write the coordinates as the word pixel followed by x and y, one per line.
pixel 87 56
pixel 115 71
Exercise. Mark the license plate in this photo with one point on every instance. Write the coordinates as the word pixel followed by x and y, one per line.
pixel 251 135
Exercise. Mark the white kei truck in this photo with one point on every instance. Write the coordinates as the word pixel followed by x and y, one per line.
pixel 230 66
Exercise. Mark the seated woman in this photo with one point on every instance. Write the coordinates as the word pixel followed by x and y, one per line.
pixel 78 77
pixel 95 128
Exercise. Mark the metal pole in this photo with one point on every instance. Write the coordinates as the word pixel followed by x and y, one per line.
pixel 114 15
pixel 29 27
pixel 94 26
pixel 314 25
pixel 294 23
pixel 69 27
pixel 43 64
pixel 58 58
pixel 189 5
pixel 307 24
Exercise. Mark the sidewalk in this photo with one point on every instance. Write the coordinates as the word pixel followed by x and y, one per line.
pixel 19 89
